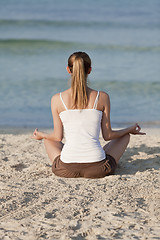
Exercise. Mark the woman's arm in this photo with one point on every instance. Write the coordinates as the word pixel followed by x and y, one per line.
pixel 57 133
pixel 107 132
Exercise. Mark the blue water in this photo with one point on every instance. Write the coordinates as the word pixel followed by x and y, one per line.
pixel 122 38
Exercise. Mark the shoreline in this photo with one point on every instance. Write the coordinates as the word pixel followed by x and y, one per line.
pixel 27 130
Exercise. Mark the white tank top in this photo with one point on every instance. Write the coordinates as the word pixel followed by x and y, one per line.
pixel 81 131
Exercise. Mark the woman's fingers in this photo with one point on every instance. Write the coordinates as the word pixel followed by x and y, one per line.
pixel 34 136
pixel 37 135
pixel 142 133
pixel 35 131
pixel 137 130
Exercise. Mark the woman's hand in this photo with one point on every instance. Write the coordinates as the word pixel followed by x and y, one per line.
pixel 136 130
pixel 37 135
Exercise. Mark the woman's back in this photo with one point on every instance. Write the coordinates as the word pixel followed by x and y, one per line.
pixel 82 128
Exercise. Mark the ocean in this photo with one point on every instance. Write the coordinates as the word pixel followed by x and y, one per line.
pixel 122 38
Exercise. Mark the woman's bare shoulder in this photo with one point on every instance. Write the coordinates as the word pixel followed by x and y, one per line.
pixel 92 92
pixel 56 102
pixel 57 95
pixel 104 95
pixel 101 93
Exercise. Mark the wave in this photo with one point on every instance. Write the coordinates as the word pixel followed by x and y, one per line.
pixel 53 44
pixel 34 43
pixel 66 23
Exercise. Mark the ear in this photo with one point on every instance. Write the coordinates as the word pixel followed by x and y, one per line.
pixel 89 71
pixel 68 70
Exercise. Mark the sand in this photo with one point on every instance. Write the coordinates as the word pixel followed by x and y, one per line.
pixel 35 204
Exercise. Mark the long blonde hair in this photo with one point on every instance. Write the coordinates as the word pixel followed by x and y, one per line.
pixel 79 64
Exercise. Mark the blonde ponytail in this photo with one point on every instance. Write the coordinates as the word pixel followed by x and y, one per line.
pixel 79 64
pixel 79 93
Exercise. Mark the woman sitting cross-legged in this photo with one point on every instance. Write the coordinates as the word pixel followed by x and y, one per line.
pixel 79 113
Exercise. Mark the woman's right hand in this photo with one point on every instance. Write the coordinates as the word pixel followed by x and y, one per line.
pixel 136 130
pixel 37 135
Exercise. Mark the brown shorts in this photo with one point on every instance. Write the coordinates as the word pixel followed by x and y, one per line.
pixel 87 170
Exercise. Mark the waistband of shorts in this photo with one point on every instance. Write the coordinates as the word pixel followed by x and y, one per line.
pixel 108 157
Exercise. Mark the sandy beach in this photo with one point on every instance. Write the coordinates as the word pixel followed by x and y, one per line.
pixel 35 204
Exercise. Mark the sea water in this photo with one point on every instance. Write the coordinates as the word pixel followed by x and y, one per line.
pixel 122 38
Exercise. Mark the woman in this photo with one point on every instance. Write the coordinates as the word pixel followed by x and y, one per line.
pixel 78 115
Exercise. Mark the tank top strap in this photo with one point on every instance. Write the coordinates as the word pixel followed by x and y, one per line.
pixel 96 101
pixel 63 101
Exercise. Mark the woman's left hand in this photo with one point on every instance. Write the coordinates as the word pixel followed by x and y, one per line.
pixel 37 135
